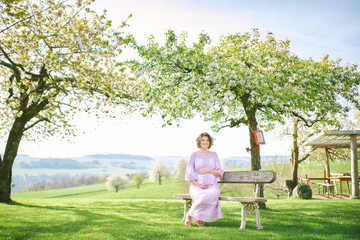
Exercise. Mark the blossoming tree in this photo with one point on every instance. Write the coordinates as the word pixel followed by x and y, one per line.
pixel 159 171
pixel 116 182
pixel 244 80
pixel 56 57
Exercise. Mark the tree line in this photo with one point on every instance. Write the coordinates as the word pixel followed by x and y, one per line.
pixel 64 183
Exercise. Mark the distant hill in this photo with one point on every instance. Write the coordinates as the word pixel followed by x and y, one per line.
pixel 54 163
pixel 120 156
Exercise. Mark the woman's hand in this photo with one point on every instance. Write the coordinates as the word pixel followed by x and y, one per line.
pixel 216 173
pixel 204 186
pixel 204 170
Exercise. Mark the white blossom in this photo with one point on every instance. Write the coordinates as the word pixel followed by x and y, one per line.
pixel 116 182
pixel 159 171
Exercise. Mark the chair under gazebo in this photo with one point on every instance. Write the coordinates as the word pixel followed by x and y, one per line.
pixel 341 139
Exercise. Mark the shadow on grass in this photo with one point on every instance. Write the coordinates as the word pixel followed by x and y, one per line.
pixel 161 219
pixel 76 194
pixel 98 222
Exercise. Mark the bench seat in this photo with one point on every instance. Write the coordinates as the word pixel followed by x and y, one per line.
pixel 228 198
pixel 326 186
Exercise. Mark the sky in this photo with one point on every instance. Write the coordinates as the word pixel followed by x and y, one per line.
pixel 315 28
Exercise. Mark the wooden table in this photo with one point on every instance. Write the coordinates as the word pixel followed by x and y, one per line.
pixel 341 179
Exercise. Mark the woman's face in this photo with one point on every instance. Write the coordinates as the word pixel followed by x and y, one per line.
pixel 204 142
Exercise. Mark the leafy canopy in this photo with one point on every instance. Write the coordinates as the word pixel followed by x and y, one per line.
pixel 57 57
pixel 242 76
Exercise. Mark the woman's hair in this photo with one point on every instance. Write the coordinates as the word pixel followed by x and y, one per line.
pixel 204 134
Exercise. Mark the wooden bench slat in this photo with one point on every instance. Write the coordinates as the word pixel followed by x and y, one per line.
pixel 184 196
pixel 242 199
pixel 227 198
pixel 326 184
pixel 251 177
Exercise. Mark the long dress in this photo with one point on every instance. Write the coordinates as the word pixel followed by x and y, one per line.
pixel 205 205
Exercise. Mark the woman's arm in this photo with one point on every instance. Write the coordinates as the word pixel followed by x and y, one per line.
pixel 216 173
pixel 191 173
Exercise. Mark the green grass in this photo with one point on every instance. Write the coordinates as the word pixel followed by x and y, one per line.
pixel 91 212
pixel 98 191
pixel 161 219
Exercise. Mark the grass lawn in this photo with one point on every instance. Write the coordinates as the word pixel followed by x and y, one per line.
pixel 92 213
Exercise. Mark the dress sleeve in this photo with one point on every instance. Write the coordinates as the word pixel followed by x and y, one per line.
pixel 218 167
pixel 191 173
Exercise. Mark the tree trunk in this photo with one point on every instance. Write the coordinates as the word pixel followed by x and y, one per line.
pixel 10 154
pixel 159 179
pixel 5 184
pixel 294 157
pixel 255 151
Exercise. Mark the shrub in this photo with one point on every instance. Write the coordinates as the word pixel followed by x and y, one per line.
pixel 303 191
pixel 138 180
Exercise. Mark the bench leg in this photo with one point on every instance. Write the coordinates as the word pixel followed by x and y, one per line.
pixel 248 208
pixel 188 203
pixel 243 217
pixel 257 216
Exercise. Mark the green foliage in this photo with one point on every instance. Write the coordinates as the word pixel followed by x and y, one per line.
pixel 58 57
pixel 138 180
pixel 243 75
pixel 304 191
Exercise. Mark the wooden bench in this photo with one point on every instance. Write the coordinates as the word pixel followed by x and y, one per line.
pixel 327 187
pixel 249 204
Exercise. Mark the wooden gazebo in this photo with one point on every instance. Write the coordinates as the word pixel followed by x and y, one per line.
pixel 341 139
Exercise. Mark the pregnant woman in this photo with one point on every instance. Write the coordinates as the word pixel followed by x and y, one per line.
pixel 203 171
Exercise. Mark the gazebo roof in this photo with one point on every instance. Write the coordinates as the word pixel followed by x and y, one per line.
pixel 334 139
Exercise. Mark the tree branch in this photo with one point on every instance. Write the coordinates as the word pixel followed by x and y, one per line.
pixel 237 122
pixel 35 123
pixel 308 123
pixel 307 137
pixel 306 155
pixel 11 61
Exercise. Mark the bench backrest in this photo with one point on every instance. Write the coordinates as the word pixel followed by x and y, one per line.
pixel 262 176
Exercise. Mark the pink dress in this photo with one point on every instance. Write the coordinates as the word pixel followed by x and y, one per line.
pixel 205 205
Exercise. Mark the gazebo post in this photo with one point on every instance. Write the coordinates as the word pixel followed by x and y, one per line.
pixel 354 167
pixel 327 164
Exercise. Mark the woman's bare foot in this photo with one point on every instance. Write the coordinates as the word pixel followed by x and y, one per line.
pixel 188 220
